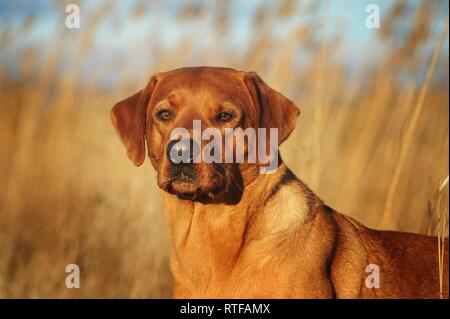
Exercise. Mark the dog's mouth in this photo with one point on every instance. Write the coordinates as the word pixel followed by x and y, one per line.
pixel 184 178
pixel 183 184
pixel 188 187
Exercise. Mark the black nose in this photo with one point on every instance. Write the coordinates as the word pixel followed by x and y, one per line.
pixel 182 151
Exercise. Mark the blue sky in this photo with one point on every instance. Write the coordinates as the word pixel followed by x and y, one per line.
pixel 345 19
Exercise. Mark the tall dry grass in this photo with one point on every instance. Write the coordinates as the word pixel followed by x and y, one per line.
pixel 70 195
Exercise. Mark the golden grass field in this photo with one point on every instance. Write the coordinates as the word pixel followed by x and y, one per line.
pixel 370 145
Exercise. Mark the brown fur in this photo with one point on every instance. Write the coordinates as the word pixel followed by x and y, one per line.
pixel 241 234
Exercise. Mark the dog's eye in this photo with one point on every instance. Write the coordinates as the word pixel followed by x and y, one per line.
pixel 164 115
pixel 224 117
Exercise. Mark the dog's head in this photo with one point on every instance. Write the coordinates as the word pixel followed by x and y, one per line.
pixel 219 98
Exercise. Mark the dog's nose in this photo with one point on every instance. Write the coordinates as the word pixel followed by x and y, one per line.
pixel 182 151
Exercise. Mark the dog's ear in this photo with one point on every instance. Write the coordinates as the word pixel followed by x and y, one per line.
pixel 272 108
pixel 128 117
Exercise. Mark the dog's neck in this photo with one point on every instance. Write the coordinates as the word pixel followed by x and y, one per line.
pixel 209 239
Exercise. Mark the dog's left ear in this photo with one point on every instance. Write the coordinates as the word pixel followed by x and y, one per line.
pixel 273 109
pixel 128 118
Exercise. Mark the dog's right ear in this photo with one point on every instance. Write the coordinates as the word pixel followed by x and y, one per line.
pixel 128 117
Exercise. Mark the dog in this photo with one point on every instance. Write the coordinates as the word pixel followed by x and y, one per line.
pixel 237 233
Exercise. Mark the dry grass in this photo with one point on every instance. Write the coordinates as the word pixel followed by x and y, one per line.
pixel 441 234
pixel 70 195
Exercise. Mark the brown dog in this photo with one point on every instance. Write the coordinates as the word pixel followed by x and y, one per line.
pixel 240 234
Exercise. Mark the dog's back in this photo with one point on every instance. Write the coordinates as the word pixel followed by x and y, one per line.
pixel 407 265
